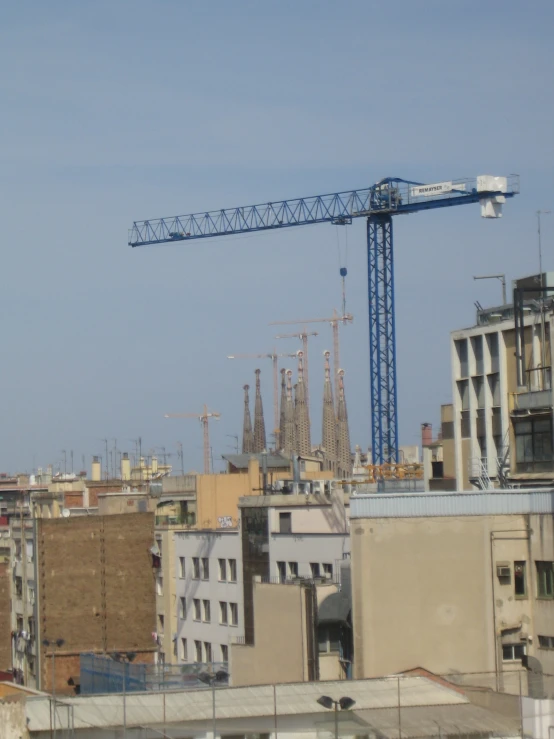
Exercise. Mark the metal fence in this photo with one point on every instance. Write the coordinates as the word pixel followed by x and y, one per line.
pixel 101 674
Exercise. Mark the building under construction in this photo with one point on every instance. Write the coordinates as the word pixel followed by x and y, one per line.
pixel 293 437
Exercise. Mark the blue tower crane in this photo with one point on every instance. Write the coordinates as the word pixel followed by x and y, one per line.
pixel 378 204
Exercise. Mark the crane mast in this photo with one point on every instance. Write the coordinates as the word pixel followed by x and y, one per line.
pixel 378 204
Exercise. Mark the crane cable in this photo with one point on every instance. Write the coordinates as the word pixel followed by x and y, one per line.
pixel 343 271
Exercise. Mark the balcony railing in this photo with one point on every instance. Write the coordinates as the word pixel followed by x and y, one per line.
pixel 186 519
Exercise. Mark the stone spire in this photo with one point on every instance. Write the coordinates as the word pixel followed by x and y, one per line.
pixel 259 424
pixel 301 413
pixel 289 429
pixel 247 437
pixel 344 461
pixel 281 440
pixel 329 426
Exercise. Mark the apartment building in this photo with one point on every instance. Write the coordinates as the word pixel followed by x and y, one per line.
pixel 453 582
pixel 80 584
pixel 502 393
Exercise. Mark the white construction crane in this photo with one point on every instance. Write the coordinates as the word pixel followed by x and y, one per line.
pixel 204 420
pixel 334 322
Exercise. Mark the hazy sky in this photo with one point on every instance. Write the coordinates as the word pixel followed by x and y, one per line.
pixel 125 110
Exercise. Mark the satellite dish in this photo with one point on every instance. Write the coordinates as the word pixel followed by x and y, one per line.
pixel 66 512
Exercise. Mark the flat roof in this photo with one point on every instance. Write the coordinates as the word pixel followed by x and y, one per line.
pixel 478 503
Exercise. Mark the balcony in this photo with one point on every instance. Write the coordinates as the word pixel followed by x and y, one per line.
pixel 184 520
pixel 533 400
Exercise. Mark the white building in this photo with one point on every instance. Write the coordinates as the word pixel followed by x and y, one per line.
pixel 209 594
pixel 502 418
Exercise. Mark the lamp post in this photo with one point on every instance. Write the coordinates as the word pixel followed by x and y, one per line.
pixel 344 703
pixel 211 678
pixel 53 643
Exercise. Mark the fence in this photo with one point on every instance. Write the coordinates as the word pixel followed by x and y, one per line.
pixel 100 674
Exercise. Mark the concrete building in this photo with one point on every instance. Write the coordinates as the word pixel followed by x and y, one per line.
pixel 80 584
pixel 502 393
pixel 454 582
pixel 298 540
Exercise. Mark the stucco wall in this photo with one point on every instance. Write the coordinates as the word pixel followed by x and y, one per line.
pixel 279 654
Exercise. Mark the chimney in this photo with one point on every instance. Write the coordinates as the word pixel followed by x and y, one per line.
pixel 96 473
pixel 125 466
pixel 426 434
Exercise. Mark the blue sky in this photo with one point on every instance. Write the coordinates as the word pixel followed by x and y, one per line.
pixel 119 111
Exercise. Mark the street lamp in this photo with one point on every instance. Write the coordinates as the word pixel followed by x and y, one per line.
pixel 54 643
pixel 211 678
pixel 345 703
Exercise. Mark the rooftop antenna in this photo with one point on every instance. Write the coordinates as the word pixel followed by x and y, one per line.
pixel 502 279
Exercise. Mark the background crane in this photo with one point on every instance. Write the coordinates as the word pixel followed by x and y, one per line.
pixel 334 321
pixel 275 361
pixel 303 336
pixel 204 419
pixel 378 204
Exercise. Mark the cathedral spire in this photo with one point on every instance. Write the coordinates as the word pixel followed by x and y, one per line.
pixel 282 416
pixel 259 424
pixel 247 437
pixel 344 460
pixel 301 413
pixel 289 434
pixel 329 425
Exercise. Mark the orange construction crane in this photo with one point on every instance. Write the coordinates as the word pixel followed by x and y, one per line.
pixel 334 321
pixel 303 336
pixel 204 420
pixel 274 358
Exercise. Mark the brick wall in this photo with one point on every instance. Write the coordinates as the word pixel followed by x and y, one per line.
pixel 96 589
pixel 5 621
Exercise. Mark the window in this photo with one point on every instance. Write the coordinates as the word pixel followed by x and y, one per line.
pixel 184 650
pixel 181 567
pixel 285 523
pixel 206 609
pixel 533 445
pixel 161 621
pixel 198 651
pixel 479 389
pixel 224 653
pixel 545 579
pixel 512 652
pixel 282 571
pixel 461 349
pixel 205 568
pixel 222 570
pixel 207 652
pixel 293 569
pixel 195 568
pixel 182 608
pixel 546 642
pixel 328 570
pixel 232 570
pixel 234 614
pixel 223 613
pixel 314 567
pixel 159 586
pixel 520 579
pixel 197 611
pixel 328 638
pixel 494 384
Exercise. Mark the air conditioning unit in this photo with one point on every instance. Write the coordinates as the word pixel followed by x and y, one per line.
pixel 503 570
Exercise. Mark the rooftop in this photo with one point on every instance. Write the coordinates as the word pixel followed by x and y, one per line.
pixel 478 503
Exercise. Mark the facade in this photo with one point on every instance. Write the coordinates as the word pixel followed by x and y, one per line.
pixel 502 416
pixel 80 584
pixel 293 549
pixel 453 582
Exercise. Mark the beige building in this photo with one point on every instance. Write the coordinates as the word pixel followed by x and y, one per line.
pixel 502 413
pixel 453 582
pixel 292 635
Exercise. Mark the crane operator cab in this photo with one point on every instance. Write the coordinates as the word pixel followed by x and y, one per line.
pixel 384 195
